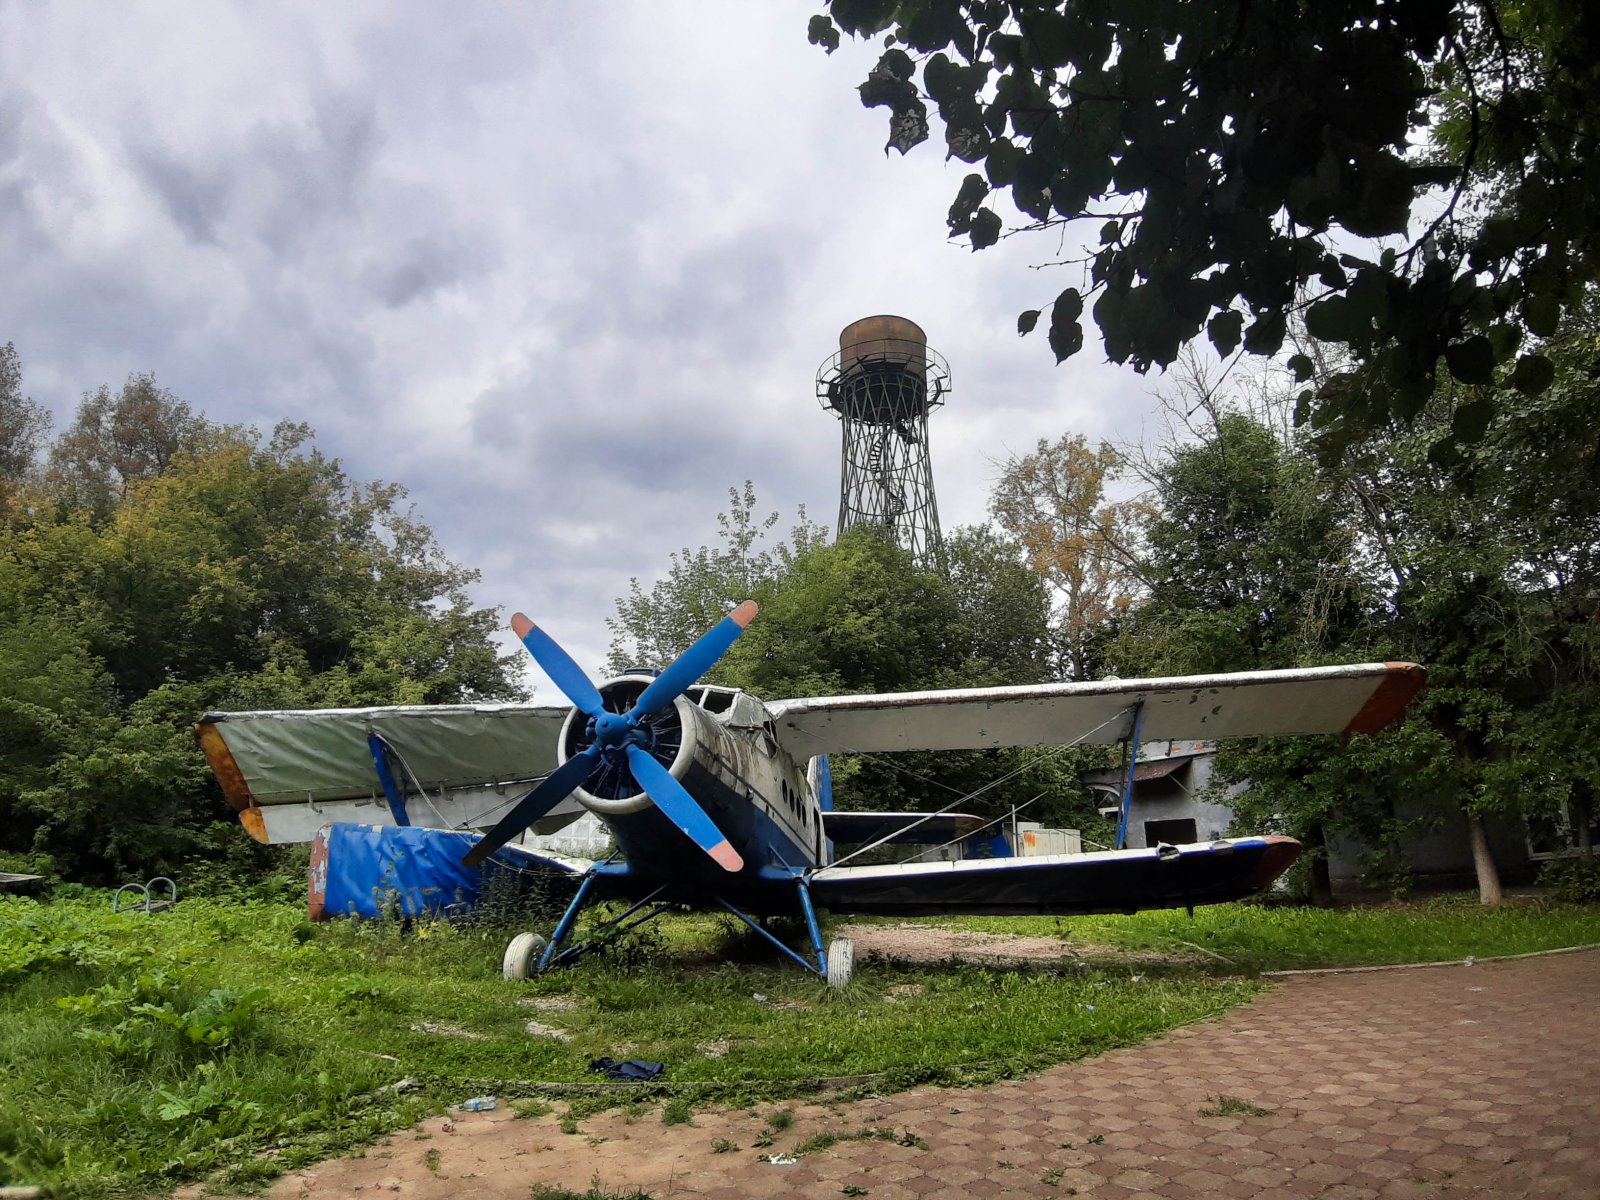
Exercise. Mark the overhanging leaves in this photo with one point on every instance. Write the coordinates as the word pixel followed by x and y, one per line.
pixel 1246 150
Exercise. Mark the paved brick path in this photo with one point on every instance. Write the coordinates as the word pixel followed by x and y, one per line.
pixel 1429 1082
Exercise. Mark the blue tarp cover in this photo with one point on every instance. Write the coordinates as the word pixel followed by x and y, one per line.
pixel 372 870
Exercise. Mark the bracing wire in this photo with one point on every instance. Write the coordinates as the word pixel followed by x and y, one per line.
pixel 965 796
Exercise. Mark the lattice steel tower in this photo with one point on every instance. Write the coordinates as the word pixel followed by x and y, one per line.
pixel 881 385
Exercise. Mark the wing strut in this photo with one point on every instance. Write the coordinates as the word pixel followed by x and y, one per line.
pixel 1127 784
pixel 392 791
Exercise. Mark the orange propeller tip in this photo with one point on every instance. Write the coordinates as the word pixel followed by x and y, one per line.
pixel 520 624
pixel 744 614
pixel 726 857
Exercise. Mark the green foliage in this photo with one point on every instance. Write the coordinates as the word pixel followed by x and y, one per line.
pixel 1270 937
pixel 23 425
pixel 1250 559
pixel 169 566
pixel 1479 563
pixel 1572 880
pixel 700 587
pixel 677 1111
pixel 1237 159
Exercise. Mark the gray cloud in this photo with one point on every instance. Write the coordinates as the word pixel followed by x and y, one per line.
pixel 567 276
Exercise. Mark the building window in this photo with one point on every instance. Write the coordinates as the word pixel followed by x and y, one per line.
pixel 1554 834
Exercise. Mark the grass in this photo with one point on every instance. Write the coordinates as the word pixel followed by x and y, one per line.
pixel 1261 937
pixel 140 1051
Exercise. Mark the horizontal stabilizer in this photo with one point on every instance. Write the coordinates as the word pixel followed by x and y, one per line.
pixel 912 829
pixel 1111 881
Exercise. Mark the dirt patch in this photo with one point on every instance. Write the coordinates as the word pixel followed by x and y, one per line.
pixel 925 943
pixel 550 1003
pixel 536 1029
pixel 441 1030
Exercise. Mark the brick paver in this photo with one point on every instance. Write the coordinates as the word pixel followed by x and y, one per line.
pixel 1416 1084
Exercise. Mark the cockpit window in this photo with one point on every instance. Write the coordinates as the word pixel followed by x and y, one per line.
pixel 716 699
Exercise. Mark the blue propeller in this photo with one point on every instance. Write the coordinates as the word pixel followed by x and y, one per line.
pixel 621 739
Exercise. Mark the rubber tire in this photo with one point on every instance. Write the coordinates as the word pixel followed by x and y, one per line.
pixel 841 962
pixel 522 956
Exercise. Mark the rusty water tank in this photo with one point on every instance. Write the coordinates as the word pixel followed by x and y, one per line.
pixel 882 371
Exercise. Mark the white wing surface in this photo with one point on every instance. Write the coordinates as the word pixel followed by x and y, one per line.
pixel 1344 700
pixel 289 773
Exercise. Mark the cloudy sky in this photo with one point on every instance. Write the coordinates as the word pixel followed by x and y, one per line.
pixel 565 271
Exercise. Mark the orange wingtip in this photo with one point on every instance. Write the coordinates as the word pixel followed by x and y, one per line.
pixel 726 856
pixel 255 825
pixel 1277 858
pixel 234 787
pixel 744 614
pixel 1389 699
pixel 520 625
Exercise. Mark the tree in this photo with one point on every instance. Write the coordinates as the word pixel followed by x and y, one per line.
pixel 1002 609
pixel 1484 565
pixel 652 628
pixel 1495 554
pixel 1251 558
pixel 1252 563
pixel 237 573
pixel 117 438
pixel 22 422
pixel 1413 175
pixel 1053 502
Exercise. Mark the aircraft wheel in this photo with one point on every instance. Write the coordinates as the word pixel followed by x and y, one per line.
pixel 522 956
pixel 841 962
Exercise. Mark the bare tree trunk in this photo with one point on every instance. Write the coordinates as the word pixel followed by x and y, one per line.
pixel 1483 862
pixel 1585 841
pixel 1321 878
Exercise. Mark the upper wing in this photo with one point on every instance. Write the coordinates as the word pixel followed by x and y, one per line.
pixel 1351 699
pixel 290 773
pixel 1112 881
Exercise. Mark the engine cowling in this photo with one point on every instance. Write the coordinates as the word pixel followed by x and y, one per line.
pixel 678 737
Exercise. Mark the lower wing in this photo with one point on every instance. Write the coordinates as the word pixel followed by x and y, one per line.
pixel 1112 881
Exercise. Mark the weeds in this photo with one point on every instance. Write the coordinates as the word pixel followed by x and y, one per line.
pixel 677 1112
pixel 1232 1106
pixel 828 1138
pixel 724 1146
pixel 544 1191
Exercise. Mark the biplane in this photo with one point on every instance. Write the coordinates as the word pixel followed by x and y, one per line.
pixel 716 799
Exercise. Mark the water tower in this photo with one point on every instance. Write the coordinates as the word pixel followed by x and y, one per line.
pixel 881 385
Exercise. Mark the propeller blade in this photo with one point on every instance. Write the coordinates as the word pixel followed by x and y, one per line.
pixel 694 662
pixel 672 798
pixel 557 663
pixel 558 785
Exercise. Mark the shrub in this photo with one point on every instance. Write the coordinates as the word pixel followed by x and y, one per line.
pixel 1572 880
